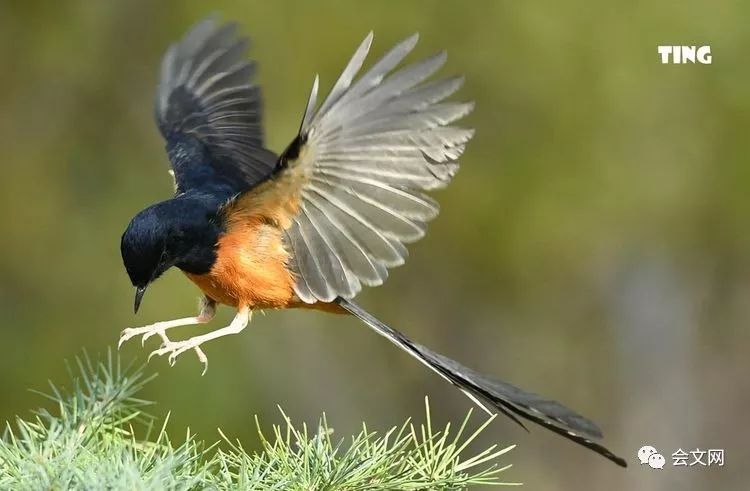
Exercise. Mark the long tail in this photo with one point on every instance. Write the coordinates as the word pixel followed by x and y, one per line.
pixel 506 398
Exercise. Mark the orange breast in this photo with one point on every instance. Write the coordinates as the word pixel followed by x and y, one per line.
pixel 250 268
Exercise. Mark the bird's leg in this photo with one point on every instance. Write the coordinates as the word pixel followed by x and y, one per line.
pixel 207 312
pixel 176 348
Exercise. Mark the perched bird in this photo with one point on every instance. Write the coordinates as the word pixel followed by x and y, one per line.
pixel 310 227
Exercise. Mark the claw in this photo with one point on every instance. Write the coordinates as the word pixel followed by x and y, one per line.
pixel 156 352
pixel 203 359
pixel 177 348
pixel 127 334
pixel 149 334
pixel 122 340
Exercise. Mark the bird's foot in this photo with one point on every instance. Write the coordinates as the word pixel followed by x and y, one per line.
pixel 176 348
pixel 145 331
pixel 207 311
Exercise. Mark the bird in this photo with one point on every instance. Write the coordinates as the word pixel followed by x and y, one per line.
pixel 310 227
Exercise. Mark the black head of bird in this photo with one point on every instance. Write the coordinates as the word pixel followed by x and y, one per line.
pixel 179 232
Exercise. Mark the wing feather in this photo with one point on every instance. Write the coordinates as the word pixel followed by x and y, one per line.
pixel 346 77
pixel 347 248
pixel 209 110
pixel 361 164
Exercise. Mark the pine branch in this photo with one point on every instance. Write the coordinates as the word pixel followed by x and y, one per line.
pixel 90 442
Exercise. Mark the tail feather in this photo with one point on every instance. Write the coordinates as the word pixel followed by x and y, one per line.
pixel 503 397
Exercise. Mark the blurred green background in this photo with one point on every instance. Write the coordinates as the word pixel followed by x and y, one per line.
pixel 594 247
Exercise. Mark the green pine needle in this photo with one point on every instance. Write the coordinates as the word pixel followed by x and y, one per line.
pixel 90 442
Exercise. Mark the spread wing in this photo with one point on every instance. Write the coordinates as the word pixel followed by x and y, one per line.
pixel 359 167
pixel 209 110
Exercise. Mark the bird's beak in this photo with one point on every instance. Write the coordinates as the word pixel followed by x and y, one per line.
pixel 139 291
